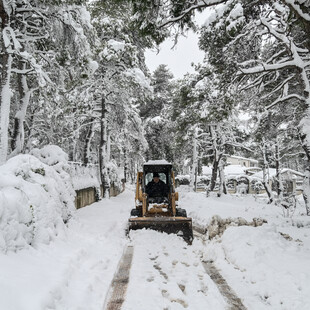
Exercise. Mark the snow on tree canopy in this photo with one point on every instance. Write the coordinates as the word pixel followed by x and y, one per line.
pixel 235 17
pixel 50 155
pixel 139 78
pixel 36 198
pixel 157 119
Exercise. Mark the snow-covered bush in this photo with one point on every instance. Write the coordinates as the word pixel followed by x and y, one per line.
pixel 36 198
pixel 256 185
pixel 182 180
pixel 231 183
pixel 114 176
pixel 51 155
pixel 84 176
pixel 204 179
pixel 242 179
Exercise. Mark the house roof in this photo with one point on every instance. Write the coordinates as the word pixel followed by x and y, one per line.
pixel 238 170
pixel 228 170
pixel 243 158
pixel 272 173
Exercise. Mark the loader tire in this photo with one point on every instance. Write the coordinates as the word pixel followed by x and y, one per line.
pixel 135 212
pixel 181 212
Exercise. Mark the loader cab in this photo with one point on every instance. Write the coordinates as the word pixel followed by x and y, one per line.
pixel 164 169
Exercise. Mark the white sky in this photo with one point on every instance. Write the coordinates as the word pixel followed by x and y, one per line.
pixel 179 59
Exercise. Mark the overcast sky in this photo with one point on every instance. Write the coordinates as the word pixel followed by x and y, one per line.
pixel 180 58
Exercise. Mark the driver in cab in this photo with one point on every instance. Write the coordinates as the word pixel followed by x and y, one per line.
pixel 156 188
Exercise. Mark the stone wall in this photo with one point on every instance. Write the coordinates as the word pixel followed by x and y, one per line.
pixel 114 190
pixel 85 197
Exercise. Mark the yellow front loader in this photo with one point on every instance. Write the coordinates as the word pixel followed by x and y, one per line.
pixel 159 213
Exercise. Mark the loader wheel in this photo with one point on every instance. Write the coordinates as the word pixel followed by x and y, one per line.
pixel 135 212
pixel 181 212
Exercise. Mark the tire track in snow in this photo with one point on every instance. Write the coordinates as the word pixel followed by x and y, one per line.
pixel 116 295
pixel 168 274
pixel 230 296
pixel 232 299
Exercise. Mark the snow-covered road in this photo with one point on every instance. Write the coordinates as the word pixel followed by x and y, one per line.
pixel 75 271
pixel 167 273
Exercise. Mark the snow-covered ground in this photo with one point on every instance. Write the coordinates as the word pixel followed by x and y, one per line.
pixel 267 266
pixel 74 271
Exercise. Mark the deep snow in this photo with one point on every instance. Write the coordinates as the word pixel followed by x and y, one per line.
pixel 267 265
pixel 74 271
pixel 36 198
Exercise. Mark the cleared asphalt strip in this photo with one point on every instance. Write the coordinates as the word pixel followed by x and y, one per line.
pixel 234 302
pixel 117 292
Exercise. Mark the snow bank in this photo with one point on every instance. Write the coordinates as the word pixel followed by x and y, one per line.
pixel 84 176
pixel 74 271
pixel 262 255
pixel 218 225
pixel 266 269
pixel 36 198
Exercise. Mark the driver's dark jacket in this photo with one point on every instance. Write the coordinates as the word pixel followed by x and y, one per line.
pixel 159 189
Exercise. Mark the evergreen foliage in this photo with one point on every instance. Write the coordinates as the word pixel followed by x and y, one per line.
pixel 73 73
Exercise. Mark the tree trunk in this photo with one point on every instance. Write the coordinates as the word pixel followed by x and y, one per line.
pixel 278 173
pixel 306 190
pixel 108 157
pixel 193 179
pixel 125 166
pixel 222 188
pixel 266 175
pixel 196 179
pixel 103 150
pixel 306 146
pixel 216 158
pixel 89 136
pixel 30 129
pixel 5 94
pixel 215 166
pixel 5 104
pixel 18 137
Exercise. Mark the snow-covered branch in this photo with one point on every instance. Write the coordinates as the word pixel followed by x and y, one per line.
pixel 285 98
pixel 298 8
pixel 201 4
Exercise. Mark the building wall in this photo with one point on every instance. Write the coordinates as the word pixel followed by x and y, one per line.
pixel 245 162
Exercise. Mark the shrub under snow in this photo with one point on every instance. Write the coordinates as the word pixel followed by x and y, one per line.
pixel 36 198
pixel 114 175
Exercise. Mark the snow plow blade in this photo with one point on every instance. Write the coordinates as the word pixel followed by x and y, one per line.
pixel 181 226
